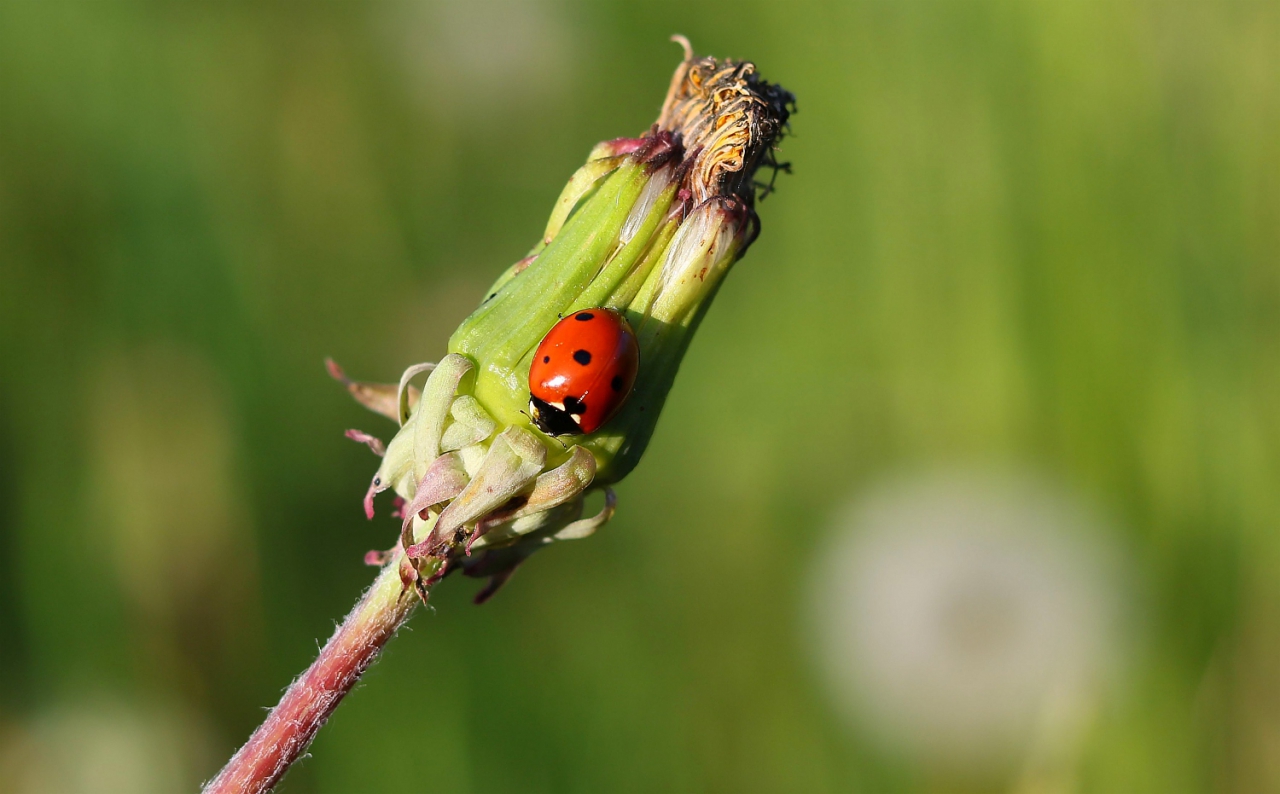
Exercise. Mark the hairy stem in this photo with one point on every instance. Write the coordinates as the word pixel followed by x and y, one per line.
pixel 310 699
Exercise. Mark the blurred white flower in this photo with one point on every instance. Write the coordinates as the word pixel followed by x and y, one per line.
pixel 969 621
pixel 104 748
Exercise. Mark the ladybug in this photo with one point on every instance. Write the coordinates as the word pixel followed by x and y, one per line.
pixel 582 372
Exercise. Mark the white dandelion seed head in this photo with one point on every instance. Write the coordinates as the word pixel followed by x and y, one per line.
pixel 966 619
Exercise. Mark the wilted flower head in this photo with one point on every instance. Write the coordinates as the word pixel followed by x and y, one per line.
pixel 647 228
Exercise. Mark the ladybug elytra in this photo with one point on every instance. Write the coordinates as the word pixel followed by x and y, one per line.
pixel 582 372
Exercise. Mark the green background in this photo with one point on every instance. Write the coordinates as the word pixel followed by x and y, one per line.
pixel 1042 236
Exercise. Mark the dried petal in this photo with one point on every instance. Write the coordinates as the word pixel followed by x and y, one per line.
pixel 433 409
pixel 362 437
pixel 514 460
pixel 495 583
pixel 551 489
pixel 499 563
pixel 587 526
pixel 381 398
pixel 444 480
pixel 376 487
pixel 377 558
pixel 407 396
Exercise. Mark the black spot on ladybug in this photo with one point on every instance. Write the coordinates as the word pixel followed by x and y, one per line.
pixel 616 383
pixel 575 406
pixel 582 357
pixel 546 359
pixel 582 317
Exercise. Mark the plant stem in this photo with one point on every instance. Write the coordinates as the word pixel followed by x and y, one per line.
pixel 284 736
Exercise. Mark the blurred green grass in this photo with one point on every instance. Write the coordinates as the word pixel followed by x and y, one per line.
pixel 1043 235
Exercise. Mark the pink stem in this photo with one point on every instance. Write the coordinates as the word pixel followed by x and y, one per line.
pixel 260 764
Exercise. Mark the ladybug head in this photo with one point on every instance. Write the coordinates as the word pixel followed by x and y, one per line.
pixel 556 419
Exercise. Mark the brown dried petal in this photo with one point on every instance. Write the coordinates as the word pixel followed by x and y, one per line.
pixel 381 398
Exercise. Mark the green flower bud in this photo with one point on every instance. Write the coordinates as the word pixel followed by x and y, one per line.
pixel 648 227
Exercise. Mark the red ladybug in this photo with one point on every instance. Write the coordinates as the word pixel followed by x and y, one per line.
pixel 582 372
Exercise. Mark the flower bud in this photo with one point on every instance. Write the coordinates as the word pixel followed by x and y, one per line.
pixel 647 227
